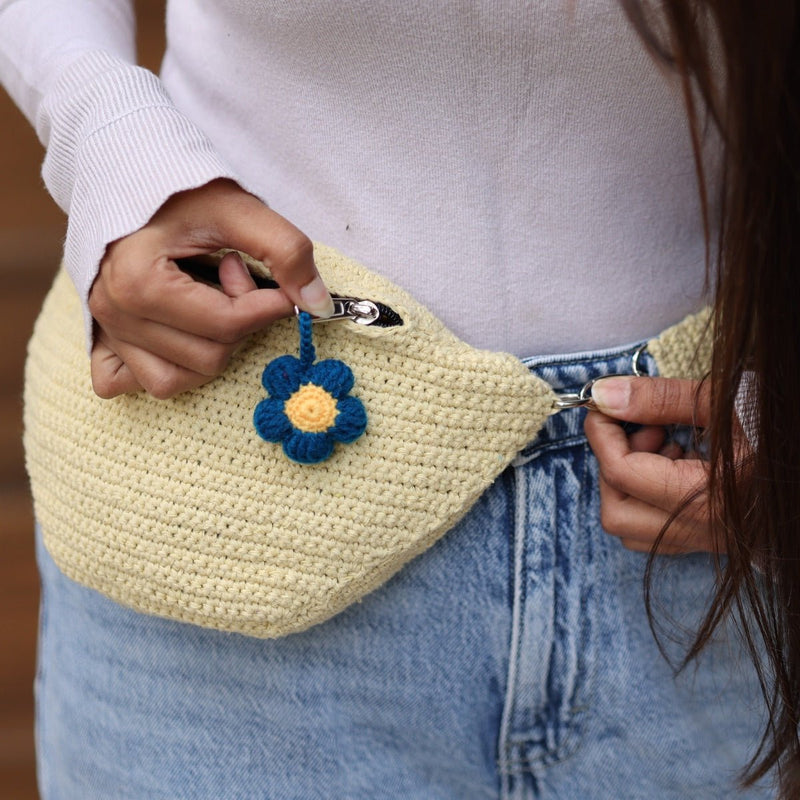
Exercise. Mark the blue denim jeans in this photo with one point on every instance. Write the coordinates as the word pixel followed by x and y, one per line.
pixel 512 660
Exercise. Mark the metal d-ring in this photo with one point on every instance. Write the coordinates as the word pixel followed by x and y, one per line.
pixel 636 367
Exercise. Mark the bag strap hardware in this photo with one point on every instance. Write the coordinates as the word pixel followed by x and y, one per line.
pixel 583 398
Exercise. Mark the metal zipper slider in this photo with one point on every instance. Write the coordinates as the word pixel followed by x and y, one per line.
pixel 362 312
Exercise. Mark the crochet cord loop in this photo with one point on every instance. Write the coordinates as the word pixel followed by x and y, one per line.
pixel 307 351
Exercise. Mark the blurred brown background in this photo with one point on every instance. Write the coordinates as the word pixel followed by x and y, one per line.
pixel 31 231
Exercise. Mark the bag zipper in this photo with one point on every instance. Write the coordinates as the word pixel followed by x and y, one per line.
pixel 359 310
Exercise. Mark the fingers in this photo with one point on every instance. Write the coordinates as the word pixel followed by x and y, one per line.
pixel 110 375
pixel 158 358
pixel 121 368
pixel 196 353
pixel 653 401
pixel 662 549
pixel 648 439
pixel 638 525
pixel 643 483
pixel 284 250
pixel 221 214
pixel 234 277
pixel 161 330
pixel 663 482
pixel 651 439
pixel 130 288
pixel 199 354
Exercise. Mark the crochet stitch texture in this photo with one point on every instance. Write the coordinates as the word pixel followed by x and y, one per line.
pixel 178 508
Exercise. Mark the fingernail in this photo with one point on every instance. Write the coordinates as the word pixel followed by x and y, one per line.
pixel 612 394
pixel 315 298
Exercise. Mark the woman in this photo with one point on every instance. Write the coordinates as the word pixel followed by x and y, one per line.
pixel 752 475
pixel 543 157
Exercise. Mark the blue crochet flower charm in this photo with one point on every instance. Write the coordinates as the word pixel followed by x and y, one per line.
pixel 309 407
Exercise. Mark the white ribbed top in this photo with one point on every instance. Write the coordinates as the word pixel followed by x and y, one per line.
pixel 522 168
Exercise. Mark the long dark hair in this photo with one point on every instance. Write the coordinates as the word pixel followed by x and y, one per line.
pixel 741 60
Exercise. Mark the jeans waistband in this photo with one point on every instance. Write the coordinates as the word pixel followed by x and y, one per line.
pixel 569 373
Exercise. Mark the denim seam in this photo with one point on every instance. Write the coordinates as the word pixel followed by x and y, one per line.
pixel 573 724
pixel 550 741
pixel 505 743
pixel 570 441
pixel 609 354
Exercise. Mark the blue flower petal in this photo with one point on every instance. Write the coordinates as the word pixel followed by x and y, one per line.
pixel 270 420
pixel 282 377
pixel 351 421
pixel 308 448
pixel 332 375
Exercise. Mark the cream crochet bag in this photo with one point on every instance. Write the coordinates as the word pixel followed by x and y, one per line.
pixel 178 508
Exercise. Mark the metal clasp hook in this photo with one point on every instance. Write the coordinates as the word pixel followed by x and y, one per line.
pixel 583 398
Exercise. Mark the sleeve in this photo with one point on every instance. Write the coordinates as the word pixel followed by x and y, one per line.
pixel 116 146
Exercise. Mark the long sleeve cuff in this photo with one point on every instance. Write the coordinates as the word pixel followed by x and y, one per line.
pixel 117 149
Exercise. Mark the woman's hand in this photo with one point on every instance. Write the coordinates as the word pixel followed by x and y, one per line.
pixel 644 480
pixel 160 330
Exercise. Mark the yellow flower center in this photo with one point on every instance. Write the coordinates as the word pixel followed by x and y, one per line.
pixel 311 409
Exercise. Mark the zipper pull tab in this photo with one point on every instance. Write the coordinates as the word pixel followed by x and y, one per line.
pixel 362 312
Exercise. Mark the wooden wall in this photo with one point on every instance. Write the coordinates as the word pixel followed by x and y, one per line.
pixel 31 232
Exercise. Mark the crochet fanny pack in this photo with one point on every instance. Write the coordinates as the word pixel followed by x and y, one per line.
pixel 299 480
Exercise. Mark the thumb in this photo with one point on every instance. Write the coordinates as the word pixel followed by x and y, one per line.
pixel 652 401
pixel 222 214
pixel 234 277
pixel 246 224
